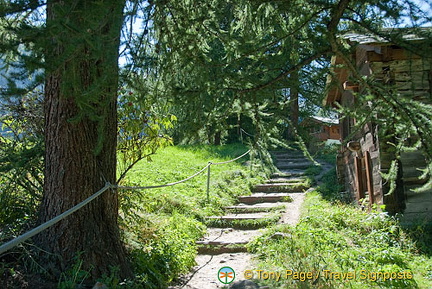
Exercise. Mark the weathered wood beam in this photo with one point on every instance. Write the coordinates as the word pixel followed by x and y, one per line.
pixel 369 178
pixel 390 54
pixel 359 178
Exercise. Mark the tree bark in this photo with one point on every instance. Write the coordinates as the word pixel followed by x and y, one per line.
pixel 81 134
pixel 294 105
pixel 218 138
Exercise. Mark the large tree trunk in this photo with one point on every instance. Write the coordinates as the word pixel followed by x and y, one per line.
pixel 80 134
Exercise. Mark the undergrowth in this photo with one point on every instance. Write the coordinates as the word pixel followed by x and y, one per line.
pixel 161 225
pixel 344 247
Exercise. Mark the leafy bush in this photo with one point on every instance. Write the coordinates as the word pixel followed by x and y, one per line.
pixel 21 163
pixel 165 250
pixel 330 188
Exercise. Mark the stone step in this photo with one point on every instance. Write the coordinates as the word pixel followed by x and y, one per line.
pixel 285 180
pixel 216 243
pixel 260 207
pixel 223 235
pixel 288 174
pixel 280 187
pixel 243 221
pixel 247 216
pixel 291 159
pixel 294 165
pixel 287 153
pixel 221 248
pixel 221 243
pixel 225 240
pixel 257 198
pixel 289 156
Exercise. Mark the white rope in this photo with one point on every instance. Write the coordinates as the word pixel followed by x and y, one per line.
pixel 15 242
pixel 182 181
pixel 248 134
pixel 166 185
pixel 233 160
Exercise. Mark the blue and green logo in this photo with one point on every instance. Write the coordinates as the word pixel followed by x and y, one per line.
pixel 226 275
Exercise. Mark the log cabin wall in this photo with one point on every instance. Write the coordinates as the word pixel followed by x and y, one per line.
pixel 409 76
pixel 371 160
pixel 345 160
pixel 418 205
pixel 322 131
pixel 359 172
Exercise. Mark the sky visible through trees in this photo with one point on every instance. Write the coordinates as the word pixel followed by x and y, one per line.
pixel 209 67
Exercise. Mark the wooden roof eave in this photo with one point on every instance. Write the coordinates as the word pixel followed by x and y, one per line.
pixel 335 80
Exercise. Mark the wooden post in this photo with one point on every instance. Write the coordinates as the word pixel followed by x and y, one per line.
pixel 369 178
pixel 208 183
pixel 359 178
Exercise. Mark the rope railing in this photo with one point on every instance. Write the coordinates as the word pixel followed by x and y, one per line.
pixel 162 186
pixel 18 240
pixel 242 131
pixel 230 161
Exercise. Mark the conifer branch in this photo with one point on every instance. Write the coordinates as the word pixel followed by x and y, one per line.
pixel 285 73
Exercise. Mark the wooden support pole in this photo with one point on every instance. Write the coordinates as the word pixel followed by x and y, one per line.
pixel 359 177
pixel 369 178
pixel 208 183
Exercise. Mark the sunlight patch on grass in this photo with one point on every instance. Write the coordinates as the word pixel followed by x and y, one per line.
pixel 160 226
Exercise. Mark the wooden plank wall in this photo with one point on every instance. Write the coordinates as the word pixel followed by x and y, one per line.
pixel 418 205
pixel 371 149
pixel 411 77
pixel 362 177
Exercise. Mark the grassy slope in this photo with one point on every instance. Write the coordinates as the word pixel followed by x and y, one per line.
pixel 161 225
pixel 341 238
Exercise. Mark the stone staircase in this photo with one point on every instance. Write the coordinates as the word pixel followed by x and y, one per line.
pixel 231 232
pixel 276 201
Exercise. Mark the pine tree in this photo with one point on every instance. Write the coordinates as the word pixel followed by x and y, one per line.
pixel 81 132
pixel 75 49
pixel 262 46
pixel 213 59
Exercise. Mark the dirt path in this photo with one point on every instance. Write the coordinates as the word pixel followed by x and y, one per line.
pixel 205 273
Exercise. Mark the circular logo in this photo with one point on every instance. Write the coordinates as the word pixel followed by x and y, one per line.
pixel 226 275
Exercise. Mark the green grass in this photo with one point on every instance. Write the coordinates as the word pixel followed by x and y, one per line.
pixel 328 154
pixel 313 170
pixel 340 238
pixel 161 225
pixel 176 163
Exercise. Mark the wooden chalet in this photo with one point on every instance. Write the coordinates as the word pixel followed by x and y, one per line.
pixel 323 129
pixel 368 153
